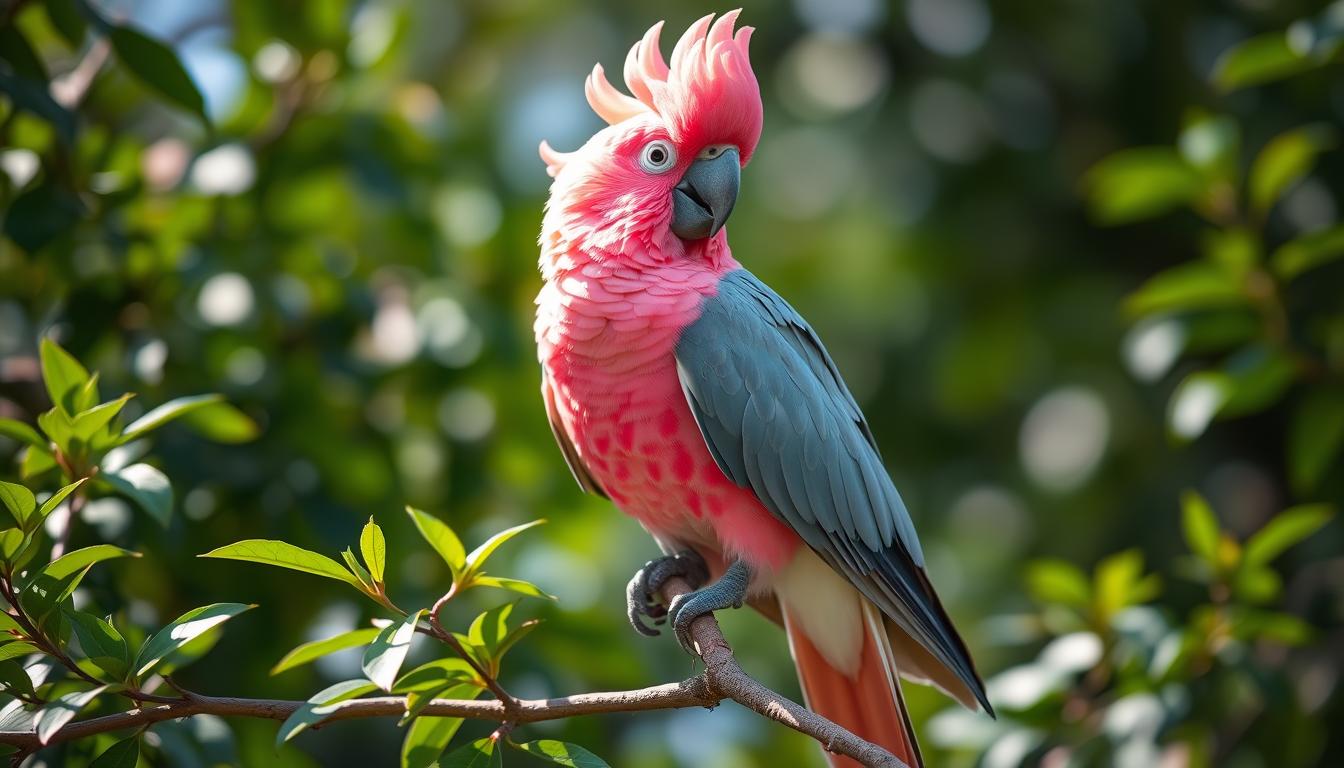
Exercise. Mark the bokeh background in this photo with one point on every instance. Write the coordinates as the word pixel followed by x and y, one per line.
pixel 346 249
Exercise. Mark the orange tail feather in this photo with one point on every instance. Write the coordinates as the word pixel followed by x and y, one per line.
pixel 869 704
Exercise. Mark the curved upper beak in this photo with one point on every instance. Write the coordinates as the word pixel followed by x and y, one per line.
pixel 704 198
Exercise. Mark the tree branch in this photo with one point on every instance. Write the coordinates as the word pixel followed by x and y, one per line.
pixel 722 679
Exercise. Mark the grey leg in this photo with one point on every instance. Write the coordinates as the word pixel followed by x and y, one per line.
pixel 641 594
pixel 728 592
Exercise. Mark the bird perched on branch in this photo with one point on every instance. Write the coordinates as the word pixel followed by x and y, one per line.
pixel 689 393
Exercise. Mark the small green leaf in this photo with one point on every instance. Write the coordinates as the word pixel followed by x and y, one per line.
pixel 416 701
pixel 318 707
pixel 480 753
pixel 1201 527
pixel 12 542
pixel 157 66
pixel 183 630
pixel 42 595
pixel 1194 285
pixel 426 739
pixel 1058 582
pixel 208 414
pixel 14 679
pixel 476 560
pixel 83 558
pixel 285 555
pixel 88 422
pixel 361 573
pixel 1135 184
pixel 16 649
pixel 1120 583
pixel 441 538
pixel 1288 528
pixel 1282 628
pixel 490 628
pixel 17 430
pixel 383 659
pixel 561 753
pixel 53 716
pixel 56 498
pixel 18 500
pixel 513 585
pixel 146 487
pixel 1259 60
pixel 123 754
pixel 102 643
pixel 318 648
pixel 373 546
pixel 436 675
pixel 1308 252
pixel 1315 436
pixel 1284 161
pixel 36 461
pixel 63 376
pixel 1256 585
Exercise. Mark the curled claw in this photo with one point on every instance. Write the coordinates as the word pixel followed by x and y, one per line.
pixel 641 594
pixel 728 592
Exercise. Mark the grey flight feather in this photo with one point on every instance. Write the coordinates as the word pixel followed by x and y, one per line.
pixel 779 421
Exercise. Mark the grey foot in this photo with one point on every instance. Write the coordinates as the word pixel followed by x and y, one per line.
pixel 641 594
pixel 728 592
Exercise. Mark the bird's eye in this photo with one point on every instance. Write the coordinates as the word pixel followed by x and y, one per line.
pixel 658 156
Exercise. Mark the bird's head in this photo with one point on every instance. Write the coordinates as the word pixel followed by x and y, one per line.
pixel 660 180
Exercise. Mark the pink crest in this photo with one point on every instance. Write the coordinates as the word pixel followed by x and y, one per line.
pixel 707 95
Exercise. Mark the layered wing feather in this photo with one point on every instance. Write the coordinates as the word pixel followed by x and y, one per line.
pixel 779 421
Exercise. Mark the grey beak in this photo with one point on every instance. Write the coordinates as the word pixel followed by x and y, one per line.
pixel 703 200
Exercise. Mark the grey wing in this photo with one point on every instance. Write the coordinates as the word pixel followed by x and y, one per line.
pixel 577 468
pixel 779 421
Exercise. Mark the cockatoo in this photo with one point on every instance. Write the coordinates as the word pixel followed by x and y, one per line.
pixel 686 391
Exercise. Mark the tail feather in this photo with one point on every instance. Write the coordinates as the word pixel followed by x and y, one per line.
pixel 868 703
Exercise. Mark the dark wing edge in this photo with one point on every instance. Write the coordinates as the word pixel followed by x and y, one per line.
pixel 779 421
pixel 577 468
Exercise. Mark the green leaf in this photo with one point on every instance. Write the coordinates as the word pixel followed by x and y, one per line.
pixel 1315 436
pixel 1056 582
pixel 1201 527
pixel 1282 628
pixel 476 560
pixel 89 422
pixel 513 585
pixel 436 675
pixel 17 430
pixel 102 643
pixel 1135 184
pixel 1194 285
pixel 1120 583
pixel 36 461
pixel 67 21
pixel 63 375
pixel 83 558
pixel 383 658
pixel 16 649
pixel 146 487
pixel 56 498
pixel 1288 528
pixel 183 630
pixel 426 739
pixel 373 546
pixel 318 648
pixel 1286 160
pixel 45 593
pixel 18 500
pixel 416 701
pixel 361 573
pixel 1261 59
pixel 285 555
pixel 1211 143
pixel 561 753
pixel 1252 380
pixel 480 753
pixel 1308 252
pixel 12 541
pixel 208 414
pixel 1256 585
pixel 123 754
pixel 316 709
pixel 14 679
pixel 157 66
pixel 441 538
pixel 53 716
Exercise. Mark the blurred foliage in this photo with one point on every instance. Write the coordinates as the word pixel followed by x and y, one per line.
pixel 327 211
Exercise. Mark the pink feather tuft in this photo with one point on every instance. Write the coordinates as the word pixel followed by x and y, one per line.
pixel 708 95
